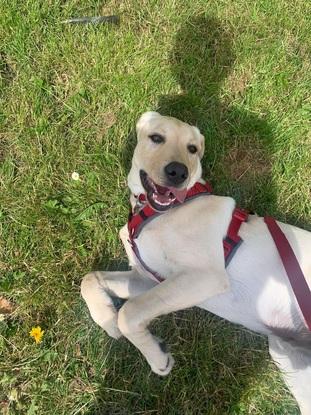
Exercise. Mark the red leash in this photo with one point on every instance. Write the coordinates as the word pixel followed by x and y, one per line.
pixel 292 268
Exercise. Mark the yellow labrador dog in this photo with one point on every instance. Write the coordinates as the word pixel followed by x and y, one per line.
pixel 185 246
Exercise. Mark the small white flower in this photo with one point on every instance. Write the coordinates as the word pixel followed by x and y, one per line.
pixel 75 176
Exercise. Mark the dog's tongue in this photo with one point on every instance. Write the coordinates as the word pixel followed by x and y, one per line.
pixel 179 194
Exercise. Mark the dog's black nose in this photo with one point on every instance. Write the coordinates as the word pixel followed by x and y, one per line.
pixel 176 173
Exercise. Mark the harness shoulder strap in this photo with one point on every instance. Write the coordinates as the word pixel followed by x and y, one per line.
pixel 232 240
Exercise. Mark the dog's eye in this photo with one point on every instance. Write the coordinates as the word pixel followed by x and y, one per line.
pixel 157 138
pixel 192 149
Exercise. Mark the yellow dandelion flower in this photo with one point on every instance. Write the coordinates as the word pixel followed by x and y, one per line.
pixel 37 334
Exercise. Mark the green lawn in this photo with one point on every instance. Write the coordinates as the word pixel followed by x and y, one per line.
pixel 70 96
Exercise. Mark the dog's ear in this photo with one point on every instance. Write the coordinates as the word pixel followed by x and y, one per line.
pixel 144 120
pixel 201 139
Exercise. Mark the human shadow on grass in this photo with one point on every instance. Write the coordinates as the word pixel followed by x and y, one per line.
pixel 238 163
pixel 237 157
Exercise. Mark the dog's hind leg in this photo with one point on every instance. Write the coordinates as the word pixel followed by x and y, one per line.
pixel 105 292
pixel 294 361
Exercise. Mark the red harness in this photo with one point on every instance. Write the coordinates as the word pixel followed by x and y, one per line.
pixel 137 221
pixel 231 242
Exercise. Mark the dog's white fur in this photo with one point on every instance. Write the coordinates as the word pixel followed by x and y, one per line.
pixel 185 245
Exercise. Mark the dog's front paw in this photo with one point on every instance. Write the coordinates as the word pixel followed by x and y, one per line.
pixel 167 363
pixel 163 362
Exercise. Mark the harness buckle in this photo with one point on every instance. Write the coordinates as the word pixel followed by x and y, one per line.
pixel 240 214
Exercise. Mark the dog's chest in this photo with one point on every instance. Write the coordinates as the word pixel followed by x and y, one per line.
pixel 181 238
pixel 157 251
pixel 151 253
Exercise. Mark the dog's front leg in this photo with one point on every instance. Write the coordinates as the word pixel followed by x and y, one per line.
pixel 179 292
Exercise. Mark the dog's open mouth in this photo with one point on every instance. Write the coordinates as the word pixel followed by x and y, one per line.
pixel 160 197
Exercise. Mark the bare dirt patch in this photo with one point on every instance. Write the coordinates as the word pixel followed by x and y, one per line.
pixel 244 163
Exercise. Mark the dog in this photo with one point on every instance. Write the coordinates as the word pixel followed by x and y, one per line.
pixel 184 245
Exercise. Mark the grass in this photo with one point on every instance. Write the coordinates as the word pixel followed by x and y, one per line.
pixel 70 96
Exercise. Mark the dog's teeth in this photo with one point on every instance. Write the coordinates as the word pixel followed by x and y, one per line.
pixel 160 198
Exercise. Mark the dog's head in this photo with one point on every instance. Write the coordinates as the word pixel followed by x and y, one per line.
pixel 166 160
